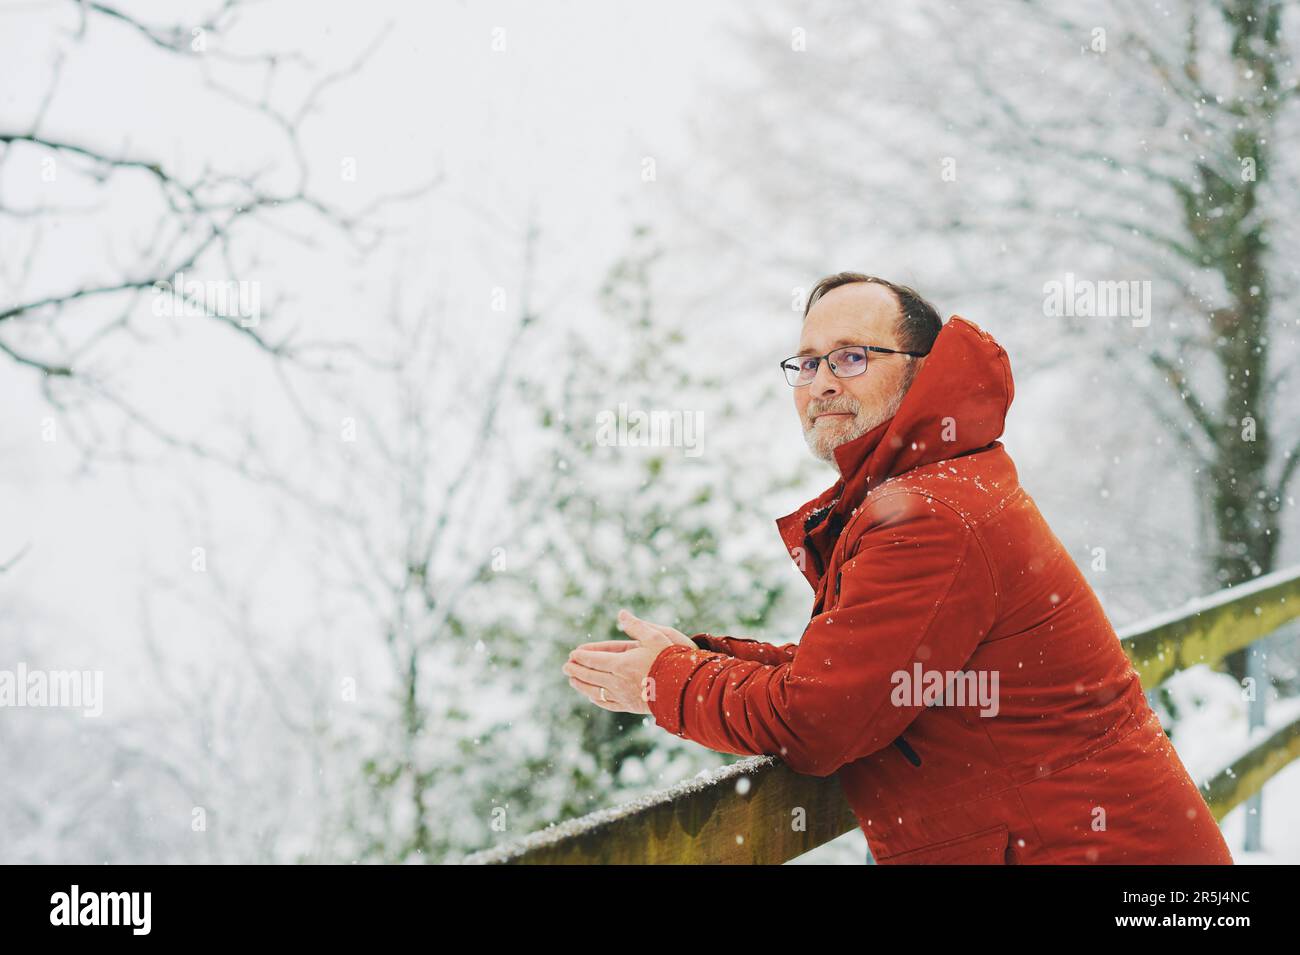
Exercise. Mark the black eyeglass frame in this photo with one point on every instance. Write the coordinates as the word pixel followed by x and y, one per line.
pixel 827 356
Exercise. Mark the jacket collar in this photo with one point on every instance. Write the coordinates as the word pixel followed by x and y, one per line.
pixel 957 404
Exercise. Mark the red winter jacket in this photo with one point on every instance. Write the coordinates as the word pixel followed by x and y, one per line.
pixel 929 560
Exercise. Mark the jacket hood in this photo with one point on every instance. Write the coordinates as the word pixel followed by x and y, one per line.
pixel 957 404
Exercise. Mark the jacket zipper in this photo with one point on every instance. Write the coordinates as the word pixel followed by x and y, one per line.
pixel 907 751
pixel 810 549
pixel 837 526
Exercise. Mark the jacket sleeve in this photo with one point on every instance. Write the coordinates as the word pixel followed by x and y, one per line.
pixel 917 590
pixel 745 649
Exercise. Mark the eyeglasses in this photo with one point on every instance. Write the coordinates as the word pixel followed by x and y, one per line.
pixel 844 363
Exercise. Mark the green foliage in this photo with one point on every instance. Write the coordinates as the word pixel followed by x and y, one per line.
pixel 609 527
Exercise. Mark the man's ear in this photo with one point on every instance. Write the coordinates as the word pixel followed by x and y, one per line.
pixel 913 370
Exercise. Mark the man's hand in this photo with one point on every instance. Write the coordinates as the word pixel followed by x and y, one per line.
pixel 619 667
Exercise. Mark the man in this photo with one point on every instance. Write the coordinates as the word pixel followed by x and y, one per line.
pixel 958 673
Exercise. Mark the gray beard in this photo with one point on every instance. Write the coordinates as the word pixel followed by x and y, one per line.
pixel 862 423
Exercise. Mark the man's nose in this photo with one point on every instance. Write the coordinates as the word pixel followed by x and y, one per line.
pixel 824 383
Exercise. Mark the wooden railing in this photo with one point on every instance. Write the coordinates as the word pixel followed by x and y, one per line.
pixel 741 813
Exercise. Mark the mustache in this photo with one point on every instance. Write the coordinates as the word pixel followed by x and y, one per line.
pixel 842 404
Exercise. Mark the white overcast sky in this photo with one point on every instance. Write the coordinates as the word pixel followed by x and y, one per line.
pixel 557 123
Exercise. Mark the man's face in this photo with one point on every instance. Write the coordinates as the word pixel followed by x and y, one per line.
pixel 835 410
